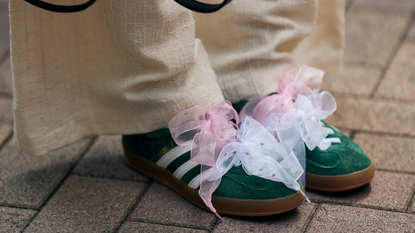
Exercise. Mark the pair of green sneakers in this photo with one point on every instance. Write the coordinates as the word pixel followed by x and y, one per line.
pixel 340 167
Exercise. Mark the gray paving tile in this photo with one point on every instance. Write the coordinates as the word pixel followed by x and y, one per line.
pixel 4 5
pixel 14 220
pixel 4 32
pixel 106 159
pixel 348 3
pixel 332 218
pixel 388 191
pixel 363 113
pixel 399 81
pixel 128 227
pixel 6 111
pixel 395 6
pixel 6 78
pixel 86 204
pixel 411 33
pixel 372 38
pixel 162 205
pixel 26 181
pixel 6 120
pixel 354 79
pixel 292 221
pixel 392 153
pixel 346 132
pixel 6 131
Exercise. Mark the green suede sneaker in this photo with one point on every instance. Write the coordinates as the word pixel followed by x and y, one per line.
pixel 295 114
pixel 157 156
pixel 340 167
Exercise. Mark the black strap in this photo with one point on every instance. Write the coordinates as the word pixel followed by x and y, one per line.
pixel 189 4
pixel 59 8
pixel 202 7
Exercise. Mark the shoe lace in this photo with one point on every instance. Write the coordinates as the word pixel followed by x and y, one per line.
pixel 328 142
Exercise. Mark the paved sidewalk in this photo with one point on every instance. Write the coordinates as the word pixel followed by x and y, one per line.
pixel 86 187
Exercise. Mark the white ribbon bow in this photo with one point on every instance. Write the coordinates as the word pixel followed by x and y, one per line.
pixel 303 123
pixel 260 154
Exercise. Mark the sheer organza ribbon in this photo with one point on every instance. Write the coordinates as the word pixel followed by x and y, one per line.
pixel 208 131
pixel 260 154
pixel 294 113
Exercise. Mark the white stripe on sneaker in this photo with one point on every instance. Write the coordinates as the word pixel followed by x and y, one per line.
pixel 179 173
pixel 172 154
pixel 195 182
pixel 175 153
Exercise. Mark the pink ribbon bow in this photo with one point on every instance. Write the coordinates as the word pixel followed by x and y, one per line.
pixel 304 82
pixel 208 131
pixel 294 113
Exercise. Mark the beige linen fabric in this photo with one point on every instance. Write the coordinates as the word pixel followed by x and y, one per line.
pixel 120 67
pixel 324 47
pixel 125 66
pixel 251 43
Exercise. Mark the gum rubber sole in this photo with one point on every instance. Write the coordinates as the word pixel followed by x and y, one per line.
pixel 223 205
pixel 342 182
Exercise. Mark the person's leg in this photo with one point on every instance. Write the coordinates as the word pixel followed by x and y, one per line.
pixel 323 48
pixel 251 43
pixel 119 67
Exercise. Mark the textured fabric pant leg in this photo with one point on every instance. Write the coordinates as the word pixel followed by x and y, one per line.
pixel 323 48
pixel 119 67
pixel 251 43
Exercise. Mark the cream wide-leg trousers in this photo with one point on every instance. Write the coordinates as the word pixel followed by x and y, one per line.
pixel 128 66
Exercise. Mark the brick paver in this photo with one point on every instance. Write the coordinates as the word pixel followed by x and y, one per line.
pixel 4 32
pixel 128 227
pixel 4 5
pixel 346 132
pixel 373 37
pixel 6 78
pixel 162 205
pixel 6 123
pixel 292 221
pixel 388 190
pixel 354 79
pixel 411 33
pixel 399 81
pixel 6 119
pixel 348 4
pixel 26 181
pixel 376 107
pixel 376 115
pixel 333 218
pixel 106 159
pixel 393 153
pixel 386 6
pixel 14 220
pixel 85 204
pixel 6 130
pixel 6 114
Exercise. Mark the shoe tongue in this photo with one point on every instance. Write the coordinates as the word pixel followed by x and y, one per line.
pixel 238 106
pixel 158 134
